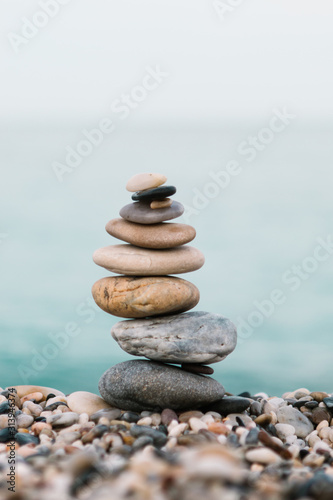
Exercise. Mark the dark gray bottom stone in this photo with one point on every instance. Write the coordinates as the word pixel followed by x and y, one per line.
pixel 140 385
pixel 229 404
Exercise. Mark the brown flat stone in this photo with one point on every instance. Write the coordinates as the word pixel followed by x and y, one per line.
pixel 128 297
pixel 167 202
pixel 159 236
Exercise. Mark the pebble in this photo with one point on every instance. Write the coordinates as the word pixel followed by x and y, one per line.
pixel 6 434
pixel 328 401
pixel 22 439
pixel 63 419
pixel 159 438
pixel 144 181
pixel 159 193
pixel 167 416
pixel 132 297
pixel 230 404
pixel 289 415
pixel 263 419
pixel 23 390
pixel 318 396
pixel 135 261
pixel 196 337
pixel 262 456
pixel 196 424
pixel 125 386
pixel 167 202
pixel 284 431
pixel 24 421
pixel 36 397
pixel 87 402
pixel 141 213
pixel 157 236
pixel 196 368
pixel 320 414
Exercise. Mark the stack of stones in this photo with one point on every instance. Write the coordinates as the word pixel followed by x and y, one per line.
pixel 159 328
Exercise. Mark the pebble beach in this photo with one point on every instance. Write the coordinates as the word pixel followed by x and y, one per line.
pixel 247 447
pixel 162 426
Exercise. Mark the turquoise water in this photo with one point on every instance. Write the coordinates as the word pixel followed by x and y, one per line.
pixel 252 232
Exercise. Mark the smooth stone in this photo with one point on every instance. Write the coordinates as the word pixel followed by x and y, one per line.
pixel 194 368
pixel 291 416
pixel 4 407
pixel 167 202
pixel 63 419
pixel 161 236
pixel 145 181
pixel 158 193
pixel 263 456
pixel 284 430
pixel 328 401
pixel 141 213
pixel 146 385
pixel 134 261
pixel 229 404
pixel 109 414
pixel 319 396
pixel 132 297
pixel 23 438
pixel 7 434
pixel 195 337
pixel 158 437
pixel 167 416
pixel 24 390
pixel 86 402
pixel 319 414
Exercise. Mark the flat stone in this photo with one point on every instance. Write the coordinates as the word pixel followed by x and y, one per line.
pixel 146 385
pixel 158 193
pixel 86 402
pixel 24 390
pixel 229 404
pixel 141 212
pixel 263 456
pixel 319 396
pixel 195 337
pixel 160 236
pixel 134 261
pixel 145 181
pixel 291 416
pixel 195 368
pixel 167 202
pixel 132 297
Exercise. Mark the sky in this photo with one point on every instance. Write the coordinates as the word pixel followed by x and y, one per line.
pixel 223 63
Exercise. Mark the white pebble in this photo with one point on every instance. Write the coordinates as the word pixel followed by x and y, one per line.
pixel 312 438
pixel 263 456
pixel 285 430
pixel 322 425
pixel 145 421
pixel 222 439
pixel 178 430
pixel 196 424
pixel 84 418
pixel 208 419
pixel 172 425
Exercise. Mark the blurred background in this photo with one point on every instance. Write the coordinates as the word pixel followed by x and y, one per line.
pixel 248 86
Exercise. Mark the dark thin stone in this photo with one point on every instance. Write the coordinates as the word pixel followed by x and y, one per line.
pixel 303 453
pixel 141 442
pixel 245 394
pixel 240 422
pixel 40 419
pixel 49 396
pixel 229 404
pixel 271 429
pixel 54 406
pixel 23 438
pixel 130 417
pixel 194 368
pixel 329 403
pixel 311 404
pixel 159 437
pixel 158 193
pixel 5 393
pixel 4 407
pixel 253 436
pixel 7 434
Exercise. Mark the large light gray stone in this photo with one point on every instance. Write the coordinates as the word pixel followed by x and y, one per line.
pixel 147 385
pixel 196 337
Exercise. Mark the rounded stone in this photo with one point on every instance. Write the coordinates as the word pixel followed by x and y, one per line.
pixel 132 297
pixel 146 385
pixel 135 261
pixel 86 402
pixel 159 236
pixel 158 193
pixel 196 337
pixel 167 202
pixel 145 181
pixel 141 213
pixel 24 390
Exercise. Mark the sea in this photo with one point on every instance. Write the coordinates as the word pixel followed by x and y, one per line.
pixel 263 221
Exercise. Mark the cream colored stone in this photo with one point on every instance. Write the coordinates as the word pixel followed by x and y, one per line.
pixel 134 261
pixel 132 297
pixel 86 402
pixel 140 182
pixel 160 236
pixel 23 390
pixel 167 202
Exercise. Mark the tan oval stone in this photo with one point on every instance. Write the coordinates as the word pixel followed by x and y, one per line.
pixel 134 261
pixel 36 396
pixel 167 202
pixel 128 297
pixel 159 236
pixel 23 390
pixel 140 182
pixel 86 402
